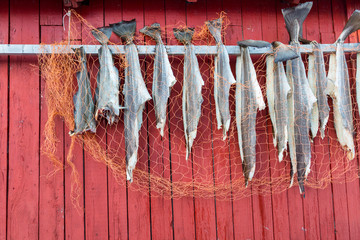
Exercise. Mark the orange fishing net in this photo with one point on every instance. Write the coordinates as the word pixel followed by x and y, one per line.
pixel 215 166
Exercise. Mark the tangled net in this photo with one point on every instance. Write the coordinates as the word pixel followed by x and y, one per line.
pixel 215 166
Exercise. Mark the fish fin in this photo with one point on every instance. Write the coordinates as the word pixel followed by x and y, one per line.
pixel 214 27
pixel 283 52
pixel 125 30
pixel 352 25
pixel 102 34
pixel 297 13
pixel 152 31
pixel 254 43
pixel 184 35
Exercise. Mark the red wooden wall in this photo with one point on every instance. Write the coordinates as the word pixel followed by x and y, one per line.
pixel 35 206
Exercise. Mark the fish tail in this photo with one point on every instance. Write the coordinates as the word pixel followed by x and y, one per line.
pixel 102 34
pixel 254 43
pixel 296 14
pixel 184 35
pixel 352 25
pixel 214 27
pixel 152 31
pixel 283 52
pixel 125 30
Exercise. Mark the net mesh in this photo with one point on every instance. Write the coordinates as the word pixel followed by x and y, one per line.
pixel 215 166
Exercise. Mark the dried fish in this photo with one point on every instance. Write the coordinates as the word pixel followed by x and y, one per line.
pixel 339 89
pixel 107 90
pixel 83 102
pixel 193 82
pixel 278 92
pixel 302 99
pixel 223 78
pixel 318 84
pixel 248 100
pixel 135 93
pixel 163 78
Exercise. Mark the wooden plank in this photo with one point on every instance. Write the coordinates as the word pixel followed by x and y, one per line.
pixel 183 208
pixel 95 178
pixel 159 155
pixel 22 218
pixel 222 165
pixel 279 200
pixel 139 219
pixel 51 202
pixel 262 205
pixel 4 75
pixel 310 203
pixel 118 222
pixel 295 212
pixel 51 13
pixel 338 158
pixel 204 207
pixel 326 208
pixel 353 186
pixel 242 205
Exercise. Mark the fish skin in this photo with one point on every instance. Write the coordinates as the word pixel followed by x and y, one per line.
pixel 163 77
pixel 107 89
pixel 318 84
pixel 277 92
pixel 192 85
pixel 135 93
pixel 253 43
pixel 301 100
pixel 223 78
pixel 83 102
pixel 249 100
pixel 339 91
pixel 339 88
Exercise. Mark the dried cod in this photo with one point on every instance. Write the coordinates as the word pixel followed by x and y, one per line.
pixel 135 93
pixel 249 100
pixel 83 102
pixel 163 78
pixel 107 89
pixel 223 78
pixel 339 88
pixel 302 99
pixel 193 82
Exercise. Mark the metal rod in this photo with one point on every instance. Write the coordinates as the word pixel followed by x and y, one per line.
pixel 33 49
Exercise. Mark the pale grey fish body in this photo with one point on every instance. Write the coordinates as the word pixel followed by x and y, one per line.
pixel 303 101
pixel 339 91
pixel 277 92
pixel 107 89
pixel 223 78
pixel 135 92
pixel 83 102
pixel 339 88
pixel 318 84
pixel 192 85
pixel 163 77
pixel 248 100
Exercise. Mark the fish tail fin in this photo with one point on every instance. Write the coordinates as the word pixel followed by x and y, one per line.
pixel 184 35
pixel 102 34
pixel 125 30
pixel 254 43
pixel 214 27
pixel 152 31
pixel 283 52
pixel 297 13
pixel 352 25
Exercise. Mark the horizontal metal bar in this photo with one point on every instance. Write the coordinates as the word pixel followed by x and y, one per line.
pixel 31 49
